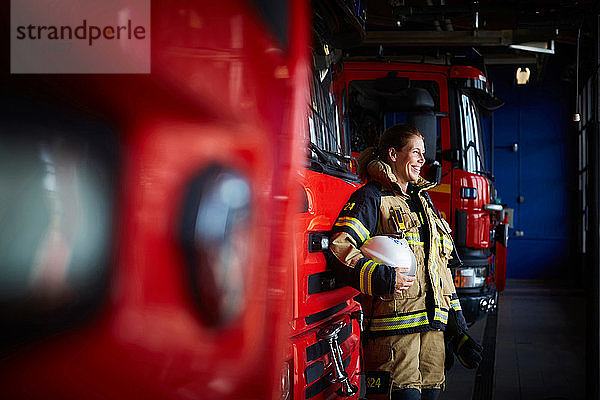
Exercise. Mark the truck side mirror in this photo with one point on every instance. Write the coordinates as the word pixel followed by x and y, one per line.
pixel 435 173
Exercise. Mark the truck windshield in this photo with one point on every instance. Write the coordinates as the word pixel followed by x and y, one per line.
pixel 470 133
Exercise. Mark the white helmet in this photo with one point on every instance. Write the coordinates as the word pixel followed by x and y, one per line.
pixel 391 251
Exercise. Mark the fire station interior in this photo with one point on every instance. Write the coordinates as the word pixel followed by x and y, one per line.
pixel 526 124
pixel 541 152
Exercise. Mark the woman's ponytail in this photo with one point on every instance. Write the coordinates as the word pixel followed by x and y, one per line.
pixel 364 158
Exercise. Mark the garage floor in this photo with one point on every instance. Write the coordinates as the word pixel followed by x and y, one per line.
pixel 539 347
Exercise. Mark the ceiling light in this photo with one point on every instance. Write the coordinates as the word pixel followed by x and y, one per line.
pixel 535 47
pixel 523 75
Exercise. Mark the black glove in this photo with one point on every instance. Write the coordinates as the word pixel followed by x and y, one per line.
pixel 460 343
pixel 468 351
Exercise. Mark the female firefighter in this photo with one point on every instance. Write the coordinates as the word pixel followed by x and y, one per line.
pixel 406 316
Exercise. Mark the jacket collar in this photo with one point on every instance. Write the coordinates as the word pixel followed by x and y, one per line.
pixel 381 172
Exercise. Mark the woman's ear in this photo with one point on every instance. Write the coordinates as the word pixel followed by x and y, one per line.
pixel 392 154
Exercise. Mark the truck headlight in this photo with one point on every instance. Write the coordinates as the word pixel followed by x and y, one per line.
pixel 470 277
pixel 215 232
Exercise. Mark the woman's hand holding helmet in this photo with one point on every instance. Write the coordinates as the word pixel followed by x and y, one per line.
pixel 403 282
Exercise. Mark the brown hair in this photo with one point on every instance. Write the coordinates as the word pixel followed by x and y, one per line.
pixel 396 136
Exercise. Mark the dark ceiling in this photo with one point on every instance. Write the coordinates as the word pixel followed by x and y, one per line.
pixel 530 32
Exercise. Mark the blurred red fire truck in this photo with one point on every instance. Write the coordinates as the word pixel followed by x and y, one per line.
pixel 147 219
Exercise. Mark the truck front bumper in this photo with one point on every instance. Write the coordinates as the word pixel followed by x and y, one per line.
pixel 475 307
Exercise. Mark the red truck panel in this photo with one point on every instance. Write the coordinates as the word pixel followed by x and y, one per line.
pixel 221 91
pixel 326 197
pixel 313 364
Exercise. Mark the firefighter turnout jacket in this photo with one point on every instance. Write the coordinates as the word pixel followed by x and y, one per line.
pixel 380 208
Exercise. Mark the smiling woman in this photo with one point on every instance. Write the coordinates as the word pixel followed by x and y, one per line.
pixel 406 162
pixel 407 314
pixel 404 145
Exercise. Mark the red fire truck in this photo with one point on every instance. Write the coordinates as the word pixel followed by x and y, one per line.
pixel 147 219
pixel 444 102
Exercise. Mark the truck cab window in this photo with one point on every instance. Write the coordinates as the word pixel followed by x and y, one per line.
pixel 376 105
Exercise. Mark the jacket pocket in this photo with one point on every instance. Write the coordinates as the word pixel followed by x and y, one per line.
pixel 444 240
pixel 447 282
pixel 403 221
pixel 412 292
